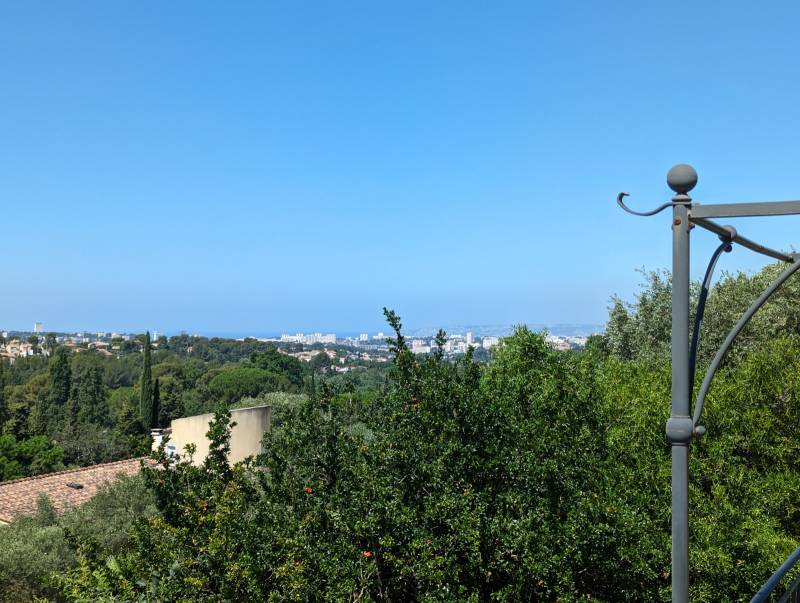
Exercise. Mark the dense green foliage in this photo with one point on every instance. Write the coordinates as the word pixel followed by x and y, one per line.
pixel 641 329
pixel 540 476
pixel 235 384
pixel 95 408
pixel 36 550
pixel 146 387
pixel 28 457
pixel 286 368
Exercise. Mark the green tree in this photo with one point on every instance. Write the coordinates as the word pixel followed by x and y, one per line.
pixel 171 394
pixel 33 456
pixel 10 466
pixel 50 342
pixel 27 407
pixel 49 415
pixel 458 485
pixel 38 548
pixel 233 384
pixel 3 406
pixel 320 362
pixel 146 386
pixel 127 422
pixel 155 411
pixel 89 395
pixel 642 328
pixel 275 362
pixel 33 549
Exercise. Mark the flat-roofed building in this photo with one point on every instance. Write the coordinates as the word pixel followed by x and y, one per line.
pixel 250 426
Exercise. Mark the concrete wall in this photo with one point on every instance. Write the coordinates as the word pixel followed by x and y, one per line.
pixel 246 435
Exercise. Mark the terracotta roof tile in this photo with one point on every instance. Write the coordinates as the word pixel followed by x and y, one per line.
pixel 65 488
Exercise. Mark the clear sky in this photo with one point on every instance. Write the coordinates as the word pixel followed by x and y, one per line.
pixel 260 167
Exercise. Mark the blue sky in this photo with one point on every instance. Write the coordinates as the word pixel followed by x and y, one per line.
pixel 261 167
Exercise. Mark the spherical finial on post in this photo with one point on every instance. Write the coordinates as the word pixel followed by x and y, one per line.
pixel 682 178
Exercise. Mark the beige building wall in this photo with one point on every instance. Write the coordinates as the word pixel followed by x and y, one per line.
pixel 246 435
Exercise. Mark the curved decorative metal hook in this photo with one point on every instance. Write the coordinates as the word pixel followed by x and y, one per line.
pixel 640 213
pixel 712 369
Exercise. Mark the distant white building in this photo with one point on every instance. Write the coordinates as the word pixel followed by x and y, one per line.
pixel 559 342
pixel 455 346
pixel 469 338
pixel 37 327
pixel 309 339
pixel 489 342
pixel 363 337
pixel 420 346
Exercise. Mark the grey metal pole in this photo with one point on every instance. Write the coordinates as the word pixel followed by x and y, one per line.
pixel 681 179
pixel 680 426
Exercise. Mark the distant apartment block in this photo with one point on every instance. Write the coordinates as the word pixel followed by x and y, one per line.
pixel 309 339
pixel 420 346
pixel 489 342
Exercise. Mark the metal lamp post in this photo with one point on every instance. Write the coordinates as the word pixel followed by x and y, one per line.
pixel 683 424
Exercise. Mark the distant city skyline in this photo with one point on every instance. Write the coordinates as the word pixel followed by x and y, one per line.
pixel 477 330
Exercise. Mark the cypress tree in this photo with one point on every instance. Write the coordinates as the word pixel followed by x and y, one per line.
pixel 90 397
pixel 146 388
pixel 3 406
pixel 128 422
pixel 156 410
pixel 47 416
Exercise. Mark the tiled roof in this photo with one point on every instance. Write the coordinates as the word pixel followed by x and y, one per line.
pixel 65 488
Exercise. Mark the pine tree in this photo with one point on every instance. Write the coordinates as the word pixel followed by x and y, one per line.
pixel 156 409
pixel 146 387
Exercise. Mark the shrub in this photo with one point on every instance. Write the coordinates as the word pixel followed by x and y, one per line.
pixel 36 551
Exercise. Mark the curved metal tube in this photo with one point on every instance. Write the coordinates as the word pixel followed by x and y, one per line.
pixel 740 240
pixel 640 213
pixel 701 308
pixel 765 592
pixel 712 369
